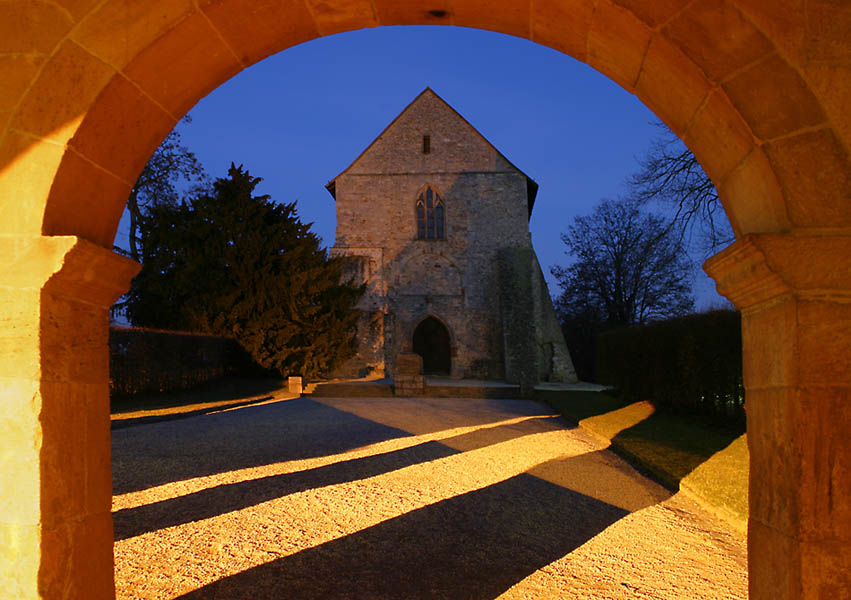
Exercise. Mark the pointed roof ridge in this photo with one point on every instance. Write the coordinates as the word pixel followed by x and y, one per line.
pixel 532 184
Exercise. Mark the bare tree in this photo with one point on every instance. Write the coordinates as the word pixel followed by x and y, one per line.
pixel 156 185
pixel 670 176
pixel 629 267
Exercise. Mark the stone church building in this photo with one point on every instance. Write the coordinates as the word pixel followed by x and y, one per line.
pixel 435 221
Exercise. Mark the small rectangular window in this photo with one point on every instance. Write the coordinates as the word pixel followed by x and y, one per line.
pixel 426 144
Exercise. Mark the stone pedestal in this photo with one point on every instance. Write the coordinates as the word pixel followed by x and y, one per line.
pixel 55 472
pixel 294 385
pixel 409 380
pixel 794 293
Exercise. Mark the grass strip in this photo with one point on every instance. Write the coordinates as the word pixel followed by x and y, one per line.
pixel 680 451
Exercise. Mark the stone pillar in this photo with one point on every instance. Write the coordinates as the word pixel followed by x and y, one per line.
pixel 55 473
pixel 794 293
pixel 294 385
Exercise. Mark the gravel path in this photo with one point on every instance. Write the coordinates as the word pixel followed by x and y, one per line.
pixel 402 498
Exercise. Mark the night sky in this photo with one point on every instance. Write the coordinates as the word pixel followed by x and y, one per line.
pixel 300 117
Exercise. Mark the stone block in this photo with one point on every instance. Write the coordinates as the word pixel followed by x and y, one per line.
pixel 77 8
pixel 412 12
pixel 68 84
pixel 19 559
pixel 409 363
pixel 64 445
pixel 617 43
pixel 773 99
pixel 32 26
pixel 825 569
pixel 121 128
pixel 670 84
pixel 782 21
pixel 27 169
pixel 186 63
pixel 408 385
pixel 719 136
pixel 294 385
pixel 831 82
pixel 73 341
pixel 118 30
pixel 774 570
pixel 752 197
pixel 656 12
pixel 802 179
pixel 563 25
pixel 77 559
pixel 334 16
pixel 808 263
pixel 774 491
pixel 770 342
pixel 825 486
pixel 16 73
pixel 261 28
pixel 19 473
pixel 505 16
pixel 717 37
pixel 19 340
pixel 85 201
pixel 824 346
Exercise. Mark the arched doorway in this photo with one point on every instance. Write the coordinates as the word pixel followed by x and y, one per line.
pixel 757 89
pixel 431 341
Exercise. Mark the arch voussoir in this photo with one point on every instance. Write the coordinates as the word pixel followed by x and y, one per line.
pixel 758 89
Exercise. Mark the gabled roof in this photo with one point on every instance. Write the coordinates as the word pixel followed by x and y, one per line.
pixel 531 185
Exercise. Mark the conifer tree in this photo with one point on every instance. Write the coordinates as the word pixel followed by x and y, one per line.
pixel 238 265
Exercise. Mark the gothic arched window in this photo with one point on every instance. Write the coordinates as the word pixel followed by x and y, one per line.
pixel 430 215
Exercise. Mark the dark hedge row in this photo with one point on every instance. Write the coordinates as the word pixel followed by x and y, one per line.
pixel 146 360
pixel 691 364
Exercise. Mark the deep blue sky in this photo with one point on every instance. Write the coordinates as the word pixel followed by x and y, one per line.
pixel 300 117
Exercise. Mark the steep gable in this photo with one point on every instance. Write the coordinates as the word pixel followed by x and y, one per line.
pixel 429 136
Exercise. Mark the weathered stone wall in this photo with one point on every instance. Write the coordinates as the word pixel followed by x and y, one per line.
pixel 455 279
pixel 554 362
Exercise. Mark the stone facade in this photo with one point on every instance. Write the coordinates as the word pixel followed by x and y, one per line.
pixel 451 280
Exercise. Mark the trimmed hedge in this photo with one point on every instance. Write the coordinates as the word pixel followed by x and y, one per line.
pixel 691 364
pixel 147 360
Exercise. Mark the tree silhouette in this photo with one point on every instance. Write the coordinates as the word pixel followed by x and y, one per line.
pixel 234 264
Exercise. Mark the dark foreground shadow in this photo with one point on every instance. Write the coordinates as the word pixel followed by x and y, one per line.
pixel 227 390
pixel 235 496
pixel 475 545
pixel 252 436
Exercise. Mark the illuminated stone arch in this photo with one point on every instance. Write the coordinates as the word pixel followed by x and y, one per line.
pixel 758 89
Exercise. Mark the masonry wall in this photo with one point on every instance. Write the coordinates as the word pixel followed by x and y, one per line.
pixel 455 279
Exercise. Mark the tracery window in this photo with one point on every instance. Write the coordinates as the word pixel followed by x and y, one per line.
pixel 431 223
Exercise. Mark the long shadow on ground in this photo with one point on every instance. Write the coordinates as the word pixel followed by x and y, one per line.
pixel 295 429
pixel 235 496
pixel 475 545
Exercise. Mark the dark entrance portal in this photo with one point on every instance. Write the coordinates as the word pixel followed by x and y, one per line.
pixel 431 341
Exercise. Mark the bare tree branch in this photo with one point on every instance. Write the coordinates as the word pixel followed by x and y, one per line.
pixel 670 175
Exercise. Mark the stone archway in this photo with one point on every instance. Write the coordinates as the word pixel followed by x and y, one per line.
pixel 758 89
pixel 432 341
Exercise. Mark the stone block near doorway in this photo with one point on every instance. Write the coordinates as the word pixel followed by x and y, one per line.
pixel 294 385
pixel 409 379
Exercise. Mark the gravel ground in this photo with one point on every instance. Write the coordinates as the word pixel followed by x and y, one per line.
pixel 402 498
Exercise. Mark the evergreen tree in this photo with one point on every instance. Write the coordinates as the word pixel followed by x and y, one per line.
pixel 238 265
